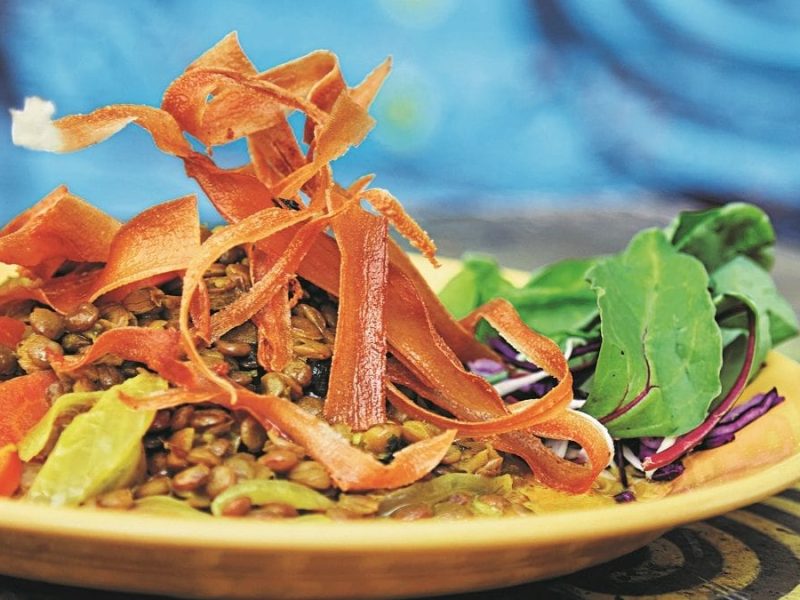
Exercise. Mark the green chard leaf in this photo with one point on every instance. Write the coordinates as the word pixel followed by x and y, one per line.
pixel 659 364
pixel 478 280
pixel 100 449
pixel 557 301
pixel 717 235
pixel 743 282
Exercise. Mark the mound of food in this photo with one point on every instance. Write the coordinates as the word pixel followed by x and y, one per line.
pixel 275 363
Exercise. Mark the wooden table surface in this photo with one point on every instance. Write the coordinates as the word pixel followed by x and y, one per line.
pixel 753 553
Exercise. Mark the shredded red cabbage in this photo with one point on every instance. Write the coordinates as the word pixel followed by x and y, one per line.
pixel 486 367
pixel 625 496
pixel 668 473
pixel 510 354
pixel 741 416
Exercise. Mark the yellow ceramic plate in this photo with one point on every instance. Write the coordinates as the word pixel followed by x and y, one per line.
pixel 239 559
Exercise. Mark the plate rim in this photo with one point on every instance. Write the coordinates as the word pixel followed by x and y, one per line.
pixel 358 536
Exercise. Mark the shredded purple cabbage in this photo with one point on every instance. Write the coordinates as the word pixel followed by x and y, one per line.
pixel 739 417
pixel 486 367
pixel 510 354
pixel 723 433
pixel 748 412
pixel 669 472
pixel 586 348
pixel 715 441
pixel 625 496
pixel 651 442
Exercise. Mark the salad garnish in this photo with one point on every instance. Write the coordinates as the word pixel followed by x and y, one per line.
pixel 663 336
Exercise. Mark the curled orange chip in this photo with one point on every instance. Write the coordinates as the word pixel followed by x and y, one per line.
pixel 54 230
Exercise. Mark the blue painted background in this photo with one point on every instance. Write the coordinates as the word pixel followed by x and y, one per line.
pixel 532 101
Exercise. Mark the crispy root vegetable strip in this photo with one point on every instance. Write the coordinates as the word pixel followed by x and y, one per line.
pixel 546 466
pixel 465 346
pixel 235 195
pixel 524 415
pixel 54 230
pixel 200 311
pixel 552 470
pixel 324 94
pixel 273 321
pixel 240 105
pixel 416 344
pixel 346 126
pixel 355 189
pixel 33 128
pixel 287 85
pixel 11 331
pixel 276 279
pixel 364 93
pixel 65 293
pixel 10 470
pixel 23 402
pixel 225 54
pixel 301 74
pixel 159 349
pixel 159 240
pixel 419 347
pixel 540 350
pixel 350 468
pixel 390 207
pixel 61 293
pixel 356 390
pixel 255 227
pixel 275 153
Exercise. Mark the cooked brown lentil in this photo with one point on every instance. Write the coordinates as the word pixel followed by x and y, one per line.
pixel 312 474
pixel 33 352
pixel 82 318
pixel 413 512
pixel 280 460
pixel 8 361
pixel 274 510
pixel 121 499
pixel 48 323
pixel 144 300
pixel 191 479
pixel 238 507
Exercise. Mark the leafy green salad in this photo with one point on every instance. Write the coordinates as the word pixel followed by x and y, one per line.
pixel 661 337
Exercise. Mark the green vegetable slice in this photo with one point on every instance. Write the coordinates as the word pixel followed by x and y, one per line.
pixel 36 439
pixel 99 449
pixel 169 507
pixel 441 488
pixel 265 491
pixel 659 364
